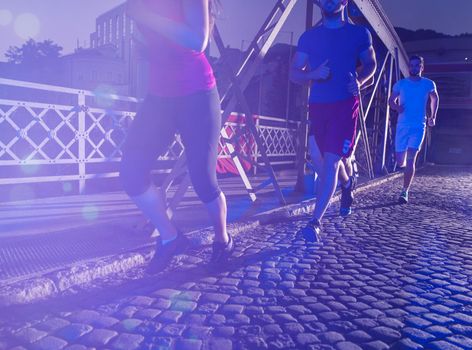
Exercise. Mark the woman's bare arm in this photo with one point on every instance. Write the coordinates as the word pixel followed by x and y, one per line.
pixel 193 33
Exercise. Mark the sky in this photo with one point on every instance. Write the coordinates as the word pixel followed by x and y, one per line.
pixel 67 22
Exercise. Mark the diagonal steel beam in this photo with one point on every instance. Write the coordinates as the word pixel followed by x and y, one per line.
pixel 251 62
pixel 378 19
pixel 238 92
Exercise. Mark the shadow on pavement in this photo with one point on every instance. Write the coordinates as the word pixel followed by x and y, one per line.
pixel 113 291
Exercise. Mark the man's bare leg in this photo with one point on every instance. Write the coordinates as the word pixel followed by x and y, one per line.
pixel 407 161
pixel 347 187
pixel 315 154
pixel 410 168
pixel 348 165
pixel 328 182
pixel 343 172
pixel 312 230
pixel 400 159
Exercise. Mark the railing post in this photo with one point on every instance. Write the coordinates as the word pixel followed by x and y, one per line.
pixel 303 130
pixel 387 114
pixel 81 140
pixel 256 150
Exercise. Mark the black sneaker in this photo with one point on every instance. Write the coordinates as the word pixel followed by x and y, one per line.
pixel 222 251
pixel 312 231
pixel 403 198
pixel 347 197
pixel 164 253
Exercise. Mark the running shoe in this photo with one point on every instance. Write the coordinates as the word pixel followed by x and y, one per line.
pixel 165 252
pixel 347 197
pixel 312 231
pixel 403 199
pixel 222 251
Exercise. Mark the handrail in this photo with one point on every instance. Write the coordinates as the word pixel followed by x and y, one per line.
pixel 55 88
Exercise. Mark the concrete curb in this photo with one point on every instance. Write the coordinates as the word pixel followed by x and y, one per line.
pixel 51 284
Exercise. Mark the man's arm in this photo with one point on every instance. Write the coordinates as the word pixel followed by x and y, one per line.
pixel 434 105
pixel 299 72
pixel 365 73
pixel 392 102
pixel 368 67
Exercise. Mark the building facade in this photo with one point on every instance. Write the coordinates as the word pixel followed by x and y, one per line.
pixel 114 28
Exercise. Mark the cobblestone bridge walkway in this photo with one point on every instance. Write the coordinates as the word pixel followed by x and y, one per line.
pixel 387 277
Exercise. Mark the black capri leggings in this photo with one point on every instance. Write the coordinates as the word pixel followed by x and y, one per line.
pixel 197 118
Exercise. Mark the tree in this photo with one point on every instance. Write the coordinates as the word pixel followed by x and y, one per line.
pixel 32 52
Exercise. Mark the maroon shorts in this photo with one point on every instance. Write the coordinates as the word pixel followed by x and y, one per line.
pixel 334 125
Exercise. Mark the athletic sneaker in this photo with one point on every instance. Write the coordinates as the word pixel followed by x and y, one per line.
pixel 222 251
pixel 403 199
pixel 165 252
pixel 347 197
pixel 312 231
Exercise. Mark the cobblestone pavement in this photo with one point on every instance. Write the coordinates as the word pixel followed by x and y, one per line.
pixel 387 277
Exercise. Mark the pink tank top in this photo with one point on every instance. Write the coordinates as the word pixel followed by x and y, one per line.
pixel 174 69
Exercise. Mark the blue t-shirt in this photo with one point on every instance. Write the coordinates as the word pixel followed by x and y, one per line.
pixel 341 46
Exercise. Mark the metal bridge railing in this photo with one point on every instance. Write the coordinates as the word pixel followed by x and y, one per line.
pixel 53 134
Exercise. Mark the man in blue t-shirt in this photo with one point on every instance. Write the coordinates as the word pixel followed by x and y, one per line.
pixel 326 58
pixel 409 98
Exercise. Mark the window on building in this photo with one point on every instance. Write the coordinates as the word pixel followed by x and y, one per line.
pixel 105 32
pixel 117 28
pixel 110 30
pixel 101 29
